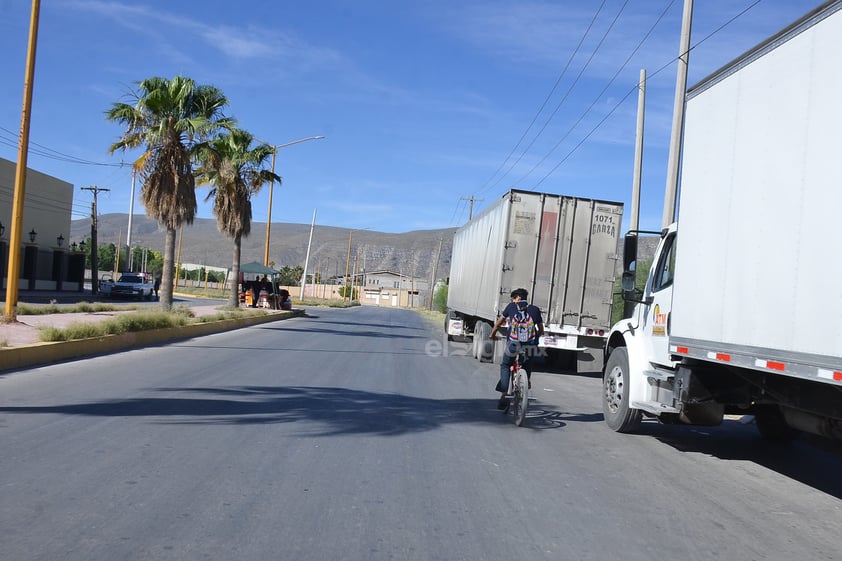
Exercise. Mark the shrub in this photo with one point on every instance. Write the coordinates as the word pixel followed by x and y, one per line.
pixel 440 299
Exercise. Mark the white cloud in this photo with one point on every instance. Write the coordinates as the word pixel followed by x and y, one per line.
pixel 248 42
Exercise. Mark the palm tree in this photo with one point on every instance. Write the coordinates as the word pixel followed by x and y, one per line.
pixel 167 119
pixel 235 172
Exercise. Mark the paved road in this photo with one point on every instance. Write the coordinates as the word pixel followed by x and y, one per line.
pixel 349 435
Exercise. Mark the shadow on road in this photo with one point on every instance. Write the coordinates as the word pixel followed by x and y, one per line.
pixel 811 460
pixel 332 411
pixel 347 332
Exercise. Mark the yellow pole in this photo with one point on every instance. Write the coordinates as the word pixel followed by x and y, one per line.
pixel 347 265
pixel 269 215
pixel 13 274
pixel 355 282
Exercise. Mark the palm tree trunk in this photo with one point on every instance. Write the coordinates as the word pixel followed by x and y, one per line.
pixel 167 275
pixel 234 299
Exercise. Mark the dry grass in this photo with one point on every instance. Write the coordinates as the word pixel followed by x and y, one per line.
pixel 433 318
pixel 80 308
pixel 141 321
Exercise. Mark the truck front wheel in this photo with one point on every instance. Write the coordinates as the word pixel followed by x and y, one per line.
pixel 619 414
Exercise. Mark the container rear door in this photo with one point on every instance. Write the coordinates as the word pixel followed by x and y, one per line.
pixel 521 244
pixel 545 262
pixel 586 257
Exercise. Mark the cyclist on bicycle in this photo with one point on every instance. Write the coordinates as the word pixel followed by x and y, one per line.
pixel 514 342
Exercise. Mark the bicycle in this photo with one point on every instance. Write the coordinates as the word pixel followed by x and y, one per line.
pixel 519 382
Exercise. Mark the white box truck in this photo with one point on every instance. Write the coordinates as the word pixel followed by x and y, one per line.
pixel 563 250
pixel 742 309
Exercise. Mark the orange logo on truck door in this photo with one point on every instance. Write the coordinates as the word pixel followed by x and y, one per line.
pixel 659 321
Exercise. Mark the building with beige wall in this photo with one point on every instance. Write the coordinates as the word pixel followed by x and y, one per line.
pixel 46 263
pixel 388 288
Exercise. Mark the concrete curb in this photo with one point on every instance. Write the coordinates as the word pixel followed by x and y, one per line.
pixel 13 358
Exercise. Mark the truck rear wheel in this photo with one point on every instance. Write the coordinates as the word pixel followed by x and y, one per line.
pixel 772 424
pixel 447 319
pixel 619 414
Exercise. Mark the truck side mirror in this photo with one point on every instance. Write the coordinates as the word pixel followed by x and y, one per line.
pixel 628 281
pixel 630 253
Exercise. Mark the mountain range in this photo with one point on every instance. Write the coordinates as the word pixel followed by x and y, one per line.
pixel 411 253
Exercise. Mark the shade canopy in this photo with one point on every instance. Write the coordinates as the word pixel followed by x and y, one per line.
pixel 257 268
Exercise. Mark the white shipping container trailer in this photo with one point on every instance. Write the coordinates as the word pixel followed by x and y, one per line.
pixel 563 250
pixel 742 311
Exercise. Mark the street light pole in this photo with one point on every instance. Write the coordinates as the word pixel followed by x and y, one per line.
pixel 275 149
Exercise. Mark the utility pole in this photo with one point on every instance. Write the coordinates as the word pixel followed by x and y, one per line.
pixel 435 272
pixel 470 206
pixel 677 116
pixel 129 230
pixel 94 246
pixel 13 274
pixel 638 152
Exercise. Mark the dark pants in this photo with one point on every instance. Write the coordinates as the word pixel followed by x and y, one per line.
pixel 512 348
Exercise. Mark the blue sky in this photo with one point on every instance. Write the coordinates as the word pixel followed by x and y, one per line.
pixel 422 103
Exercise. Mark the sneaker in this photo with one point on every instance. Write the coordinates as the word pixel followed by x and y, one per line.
pixel 502 403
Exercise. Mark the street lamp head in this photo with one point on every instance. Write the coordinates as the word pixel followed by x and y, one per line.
pixel 60 240
pixel 82 245
pixel 32 235
pixel 73 247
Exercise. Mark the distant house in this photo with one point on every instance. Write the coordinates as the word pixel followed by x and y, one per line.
pixel 388 288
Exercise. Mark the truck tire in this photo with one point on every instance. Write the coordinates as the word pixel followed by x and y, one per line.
pixel 485 346
pixel 772 424
pixel 619 415
pixel 447 319
pixel 475 342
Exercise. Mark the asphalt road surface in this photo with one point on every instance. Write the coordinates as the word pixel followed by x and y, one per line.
pixel 355 435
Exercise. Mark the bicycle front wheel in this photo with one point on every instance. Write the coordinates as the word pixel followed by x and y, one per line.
pixel 521 398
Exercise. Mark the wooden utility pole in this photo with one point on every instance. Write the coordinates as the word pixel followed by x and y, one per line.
pixel 94 244
pixel 435 272
pixel 471 199
pixel 13 274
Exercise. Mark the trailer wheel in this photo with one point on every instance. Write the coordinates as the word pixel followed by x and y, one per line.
pixel 485 346
pixel 772 424
pixel 619 414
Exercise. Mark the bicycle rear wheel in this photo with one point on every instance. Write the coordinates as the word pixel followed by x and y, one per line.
pixel 521 397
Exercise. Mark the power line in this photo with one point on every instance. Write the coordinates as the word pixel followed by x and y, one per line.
pixel 543 105
pixel 597 97
pixel 47 152
pixel 634 89
pixel 568 92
